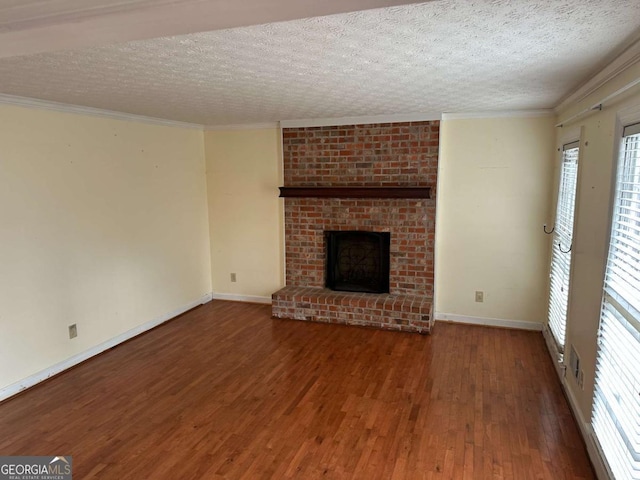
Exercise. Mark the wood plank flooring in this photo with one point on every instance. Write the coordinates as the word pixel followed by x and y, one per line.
pixel 225 392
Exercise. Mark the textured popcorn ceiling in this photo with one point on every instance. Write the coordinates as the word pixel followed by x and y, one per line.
pixel 441 56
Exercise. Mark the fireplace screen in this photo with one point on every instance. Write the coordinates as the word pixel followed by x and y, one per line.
pixel 358 261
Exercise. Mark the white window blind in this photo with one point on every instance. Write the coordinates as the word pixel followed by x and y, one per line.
pixel 616 404
pixel 562 243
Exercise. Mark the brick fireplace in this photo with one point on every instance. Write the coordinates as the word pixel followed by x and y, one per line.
pixel 393 167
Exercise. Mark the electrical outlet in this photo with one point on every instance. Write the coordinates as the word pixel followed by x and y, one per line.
pixel 73 331
pixel 479 296
pixel 233 277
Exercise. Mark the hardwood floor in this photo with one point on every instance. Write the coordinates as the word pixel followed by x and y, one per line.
pixel 226 392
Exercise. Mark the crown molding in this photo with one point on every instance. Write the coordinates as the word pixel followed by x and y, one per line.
pixel 628 58
pixel 499 114
pixel 242 126
pixel 337 121
pixel 91 111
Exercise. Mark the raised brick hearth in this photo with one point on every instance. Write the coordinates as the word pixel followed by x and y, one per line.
pixel 409 313
pixel 375 155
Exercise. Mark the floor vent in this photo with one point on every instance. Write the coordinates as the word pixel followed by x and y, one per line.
pixel 574 367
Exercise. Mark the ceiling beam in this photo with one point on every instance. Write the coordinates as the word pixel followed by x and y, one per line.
pixel 93 26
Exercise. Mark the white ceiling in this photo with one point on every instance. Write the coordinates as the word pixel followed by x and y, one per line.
pixel 440 56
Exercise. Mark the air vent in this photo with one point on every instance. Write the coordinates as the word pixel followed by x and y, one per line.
pixel 574 363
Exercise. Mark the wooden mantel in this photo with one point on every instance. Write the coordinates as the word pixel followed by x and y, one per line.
pixel 355 192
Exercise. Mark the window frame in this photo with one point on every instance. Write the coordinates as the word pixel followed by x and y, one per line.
pixel 625 117
pixel 569 135
pixel 556 239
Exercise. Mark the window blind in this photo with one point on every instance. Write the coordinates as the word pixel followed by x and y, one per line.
pixel 562 242
pixel 616 404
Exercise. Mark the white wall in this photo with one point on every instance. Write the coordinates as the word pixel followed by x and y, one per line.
pixel 494 195
pixel 103 223
pixel 494 189
pixel 245 213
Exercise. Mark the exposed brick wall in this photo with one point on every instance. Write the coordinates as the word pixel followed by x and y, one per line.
pixel 390 154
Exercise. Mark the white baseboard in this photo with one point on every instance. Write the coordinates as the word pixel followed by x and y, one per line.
pixel 206 298
pixel 556 356
pixel 585 427
pixel 491 322
pixel 602 472
pixel 36 378
pixel 242 298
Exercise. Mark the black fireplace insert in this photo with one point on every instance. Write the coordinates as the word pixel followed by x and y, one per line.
pixel 357 261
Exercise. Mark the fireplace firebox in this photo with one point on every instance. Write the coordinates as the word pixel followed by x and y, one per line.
pixel 357 261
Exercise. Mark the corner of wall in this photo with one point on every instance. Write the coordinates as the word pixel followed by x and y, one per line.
pixel 243 175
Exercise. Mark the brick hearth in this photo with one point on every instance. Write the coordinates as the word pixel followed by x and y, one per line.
pixel 409 313
pixel 401 154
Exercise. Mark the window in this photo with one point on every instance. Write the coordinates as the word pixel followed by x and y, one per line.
pixel 616 404
pixel 562 244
